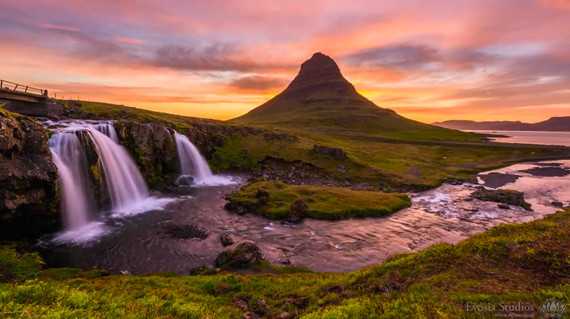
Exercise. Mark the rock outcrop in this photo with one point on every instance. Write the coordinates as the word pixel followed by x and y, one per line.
pixel 502 196
pixel 329 151
pixel 153 148
pixel 29 200
pixel 244 255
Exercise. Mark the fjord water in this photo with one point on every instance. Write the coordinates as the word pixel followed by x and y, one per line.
pixel 529 137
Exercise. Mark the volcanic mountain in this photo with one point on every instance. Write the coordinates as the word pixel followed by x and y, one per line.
pixel 320 97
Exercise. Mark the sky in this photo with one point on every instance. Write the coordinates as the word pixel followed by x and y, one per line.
pixel 427 60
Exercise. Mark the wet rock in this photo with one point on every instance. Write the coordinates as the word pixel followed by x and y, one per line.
pixel 186 231
pixel 330 151
pixel 29 200
pixel 297 210
pixel 226 239
pixel 244 255
pixel 234 207
pixel 153 148
pixel 557 204
pixel 503 206
pixel 503 196
pixel 184 180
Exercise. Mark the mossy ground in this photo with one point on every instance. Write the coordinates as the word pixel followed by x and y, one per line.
pixel 322 202
pixel 512 263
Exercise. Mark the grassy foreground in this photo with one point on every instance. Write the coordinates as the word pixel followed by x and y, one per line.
pixel 510 264
pixel 277 200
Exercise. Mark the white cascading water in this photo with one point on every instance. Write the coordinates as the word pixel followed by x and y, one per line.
pixel 192 163
pixel 69 157
pixel 120 180
pixel 108 129
pixel 119 174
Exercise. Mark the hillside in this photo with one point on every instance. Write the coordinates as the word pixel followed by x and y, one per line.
pixel 321 98
pixel 552 124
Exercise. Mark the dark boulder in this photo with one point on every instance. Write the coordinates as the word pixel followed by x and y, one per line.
pixel 503 196
pixel 226 239
pixel 184 180
pixel 557 204
pixel 297 210
pixel 244 255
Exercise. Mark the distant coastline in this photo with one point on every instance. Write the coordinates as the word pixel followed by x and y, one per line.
pixel 554 124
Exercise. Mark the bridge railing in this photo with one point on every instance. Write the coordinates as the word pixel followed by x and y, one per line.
pixel 11 86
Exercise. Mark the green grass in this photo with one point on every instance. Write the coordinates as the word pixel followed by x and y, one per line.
pixel 329 203
pixel 527 263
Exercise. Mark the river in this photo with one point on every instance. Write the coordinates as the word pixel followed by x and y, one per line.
pixel 137 244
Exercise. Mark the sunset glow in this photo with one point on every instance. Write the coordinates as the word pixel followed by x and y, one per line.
pixel 428 60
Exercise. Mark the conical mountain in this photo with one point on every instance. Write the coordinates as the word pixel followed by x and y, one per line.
pixel 321 98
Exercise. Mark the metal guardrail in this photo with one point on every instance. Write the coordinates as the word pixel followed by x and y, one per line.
pixel 11 86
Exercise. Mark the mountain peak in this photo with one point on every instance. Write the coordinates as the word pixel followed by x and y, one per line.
pixel 320 97
pixel 319 71
pixel 321 62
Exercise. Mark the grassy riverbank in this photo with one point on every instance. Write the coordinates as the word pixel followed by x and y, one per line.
pixel 276 200
pixel 512 263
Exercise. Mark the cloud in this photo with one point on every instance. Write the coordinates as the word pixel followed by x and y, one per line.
pixel 213 57
pixel 60 27
pixel 399 56
pixel 131 40
pixel 258 83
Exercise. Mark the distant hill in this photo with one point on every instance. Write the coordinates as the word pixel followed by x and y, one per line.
pixel 552 124
pixel 320 97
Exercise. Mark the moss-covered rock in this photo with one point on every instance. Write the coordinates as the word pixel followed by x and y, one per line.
pixel 243 256
pixel 29 201
pixel 153 149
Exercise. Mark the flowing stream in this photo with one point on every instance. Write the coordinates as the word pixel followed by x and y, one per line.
pixel 122 239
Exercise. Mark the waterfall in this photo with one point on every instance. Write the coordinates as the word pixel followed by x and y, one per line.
pixel 69 157
pixel 119 177
pixel 119 174
pixel 191 161
pixel 108 129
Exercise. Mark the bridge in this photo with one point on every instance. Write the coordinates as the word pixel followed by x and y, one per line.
pixel 17 92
